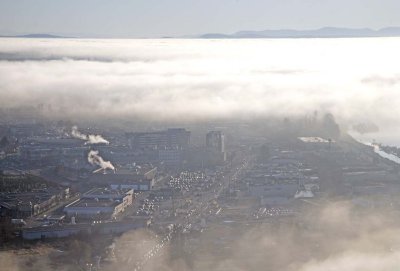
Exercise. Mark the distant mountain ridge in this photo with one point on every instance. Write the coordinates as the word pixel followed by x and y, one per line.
pixel 325 32
pixel 41 36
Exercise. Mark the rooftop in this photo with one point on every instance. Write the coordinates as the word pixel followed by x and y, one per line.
pixel 107 192
pixel 92 203
pixel 314 139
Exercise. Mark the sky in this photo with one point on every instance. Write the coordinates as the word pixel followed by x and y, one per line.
pixel 159 18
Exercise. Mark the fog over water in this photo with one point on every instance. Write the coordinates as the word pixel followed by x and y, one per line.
pixel 355 79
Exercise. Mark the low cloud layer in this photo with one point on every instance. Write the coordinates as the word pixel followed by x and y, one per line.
pixel 337 236
pixel 382 81
pixel 199 79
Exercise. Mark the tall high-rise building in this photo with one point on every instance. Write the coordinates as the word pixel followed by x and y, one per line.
pixel 215 143
pixel 215 140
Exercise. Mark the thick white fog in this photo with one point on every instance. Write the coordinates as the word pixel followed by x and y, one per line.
pixel 355 79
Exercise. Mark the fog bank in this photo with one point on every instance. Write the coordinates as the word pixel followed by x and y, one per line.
pixel 355 79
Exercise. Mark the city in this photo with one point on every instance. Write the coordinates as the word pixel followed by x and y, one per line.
pixel 175 135
pixel 189 194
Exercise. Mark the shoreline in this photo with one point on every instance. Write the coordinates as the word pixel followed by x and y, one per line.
pixel 378 149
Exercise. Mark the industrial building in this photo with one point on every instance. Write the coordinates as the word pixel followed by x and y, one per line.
pixel 138 178
pixel 170 157
pixel 66 230
pixel 100 203
pixel 27 204
pixel 54 151
pixel 316 143
pixel 280 180
pixel 171 138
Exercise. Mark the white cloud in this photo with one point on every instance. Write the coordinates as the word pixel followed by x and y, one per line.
pixel 174 79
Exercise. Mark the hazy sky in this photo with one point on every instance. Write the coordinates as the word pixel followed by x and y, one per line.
pixel 156 18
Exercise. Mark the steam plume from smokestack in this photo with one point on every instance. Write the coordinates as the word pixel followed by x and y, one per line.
pixel 90 139
pixel 95 159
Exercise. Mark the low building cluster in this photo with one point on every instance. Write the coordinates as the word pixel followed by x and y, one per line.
pixel 27 204
pixel 100 204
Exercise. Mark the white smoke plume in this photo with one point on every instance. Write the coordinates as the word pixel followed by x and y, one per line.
pixel 95 159
pixel 96 139
pixel 75 133
pixel 90 139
